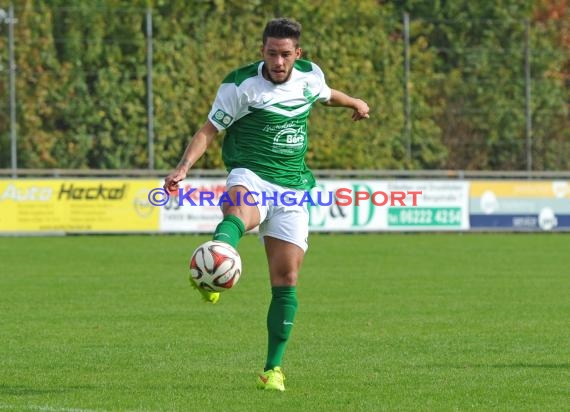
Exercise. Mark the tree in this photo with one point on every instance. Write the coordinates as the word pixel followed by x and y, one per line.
pixel 81 84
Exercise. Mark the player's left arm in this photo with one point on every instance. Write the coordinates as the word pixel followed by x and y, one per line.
pixel 359 106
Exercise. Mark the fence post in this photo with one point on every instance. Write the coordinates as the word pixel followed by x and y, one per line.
pixel 407 108
pixel 527 100
pixel 12 87
pixel 149 91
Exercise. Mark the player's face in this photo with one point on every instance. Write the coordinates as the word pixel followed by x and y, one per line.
pixel 279 56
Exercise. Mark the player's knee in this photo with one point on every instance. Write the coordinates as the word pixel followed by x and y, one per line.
pixel 248 215
pixel 285 278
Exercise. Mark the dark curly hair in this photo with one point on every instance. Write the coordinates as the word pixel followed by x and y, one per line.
pixel 283 28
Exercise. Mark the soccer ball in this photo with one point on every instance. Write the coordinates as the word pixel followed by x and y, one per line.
pixel 215 266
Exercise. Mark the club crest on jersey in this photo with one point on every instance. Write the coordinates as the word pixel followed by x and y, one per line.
pixel 307 92
pixel 222 118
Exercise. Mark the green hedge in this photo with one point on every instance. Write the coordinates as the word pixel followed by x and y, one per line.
pixel 81 81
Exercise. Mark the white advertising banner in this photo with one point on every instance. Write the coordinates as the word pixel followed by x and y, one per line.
pixel 401 205
pixel 344 205
pixel 443 205
pixel 198 212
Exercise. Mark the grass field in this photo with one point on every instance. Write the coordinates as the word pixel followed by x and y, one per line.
pixel 386 322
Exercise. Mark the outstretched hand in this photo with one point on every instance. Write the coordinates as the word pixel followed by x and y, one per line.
pixel 361 110
pixel 171 181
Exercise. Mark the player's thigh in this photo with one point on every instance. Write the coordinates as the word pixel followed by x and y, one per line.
pixel 284 259
pixel 243 205
pixel 285 235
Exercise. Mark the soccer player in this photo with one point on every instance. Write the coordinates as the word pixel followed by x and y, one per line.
pixel 263 109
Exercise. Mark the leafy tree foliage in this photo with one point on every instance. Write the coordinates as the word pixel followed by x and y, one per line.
pixel 81 80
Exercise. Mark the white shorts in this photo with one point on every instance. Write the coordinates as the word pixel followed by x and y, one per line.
pixel 282 213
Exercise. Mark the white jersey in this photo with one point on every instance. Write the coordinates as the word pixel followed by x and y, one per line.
pixel 266 123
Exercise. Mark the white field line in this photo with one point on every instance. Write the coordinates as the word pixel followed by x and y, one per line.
pixel 44 408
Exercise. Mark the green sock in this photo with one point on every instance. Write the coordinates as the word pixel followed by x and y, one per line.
pixel 280 319
pixel 230 230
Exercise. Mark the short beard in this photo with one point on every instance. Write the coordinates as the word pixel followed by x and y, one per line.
pixel 267 72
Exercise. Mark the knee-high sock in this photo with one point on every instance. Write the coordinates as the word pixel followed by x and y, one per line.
pixel 280 318
pixel 230 230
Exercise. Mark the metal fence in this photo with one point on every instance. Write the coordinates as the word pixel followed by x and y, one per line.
pixel 524 107
pixel 9 19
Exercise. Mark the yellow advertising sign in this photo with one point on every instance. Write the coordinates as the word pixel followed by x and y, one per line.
pixel 522 188
pixel 77 205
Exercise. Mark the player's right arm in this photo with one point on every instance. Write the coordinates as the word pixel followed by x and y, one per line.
pixel 195 149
